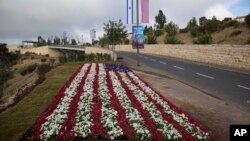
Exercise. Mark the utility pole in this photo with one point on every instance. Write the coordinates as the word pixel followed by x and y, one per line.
pixel 137 23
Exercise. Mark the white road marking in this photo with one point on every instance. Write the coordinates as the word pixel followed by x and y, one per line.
pixel 244 87
pixel 179 68
pixel 210 77
pixel 152 59
pixel 162 62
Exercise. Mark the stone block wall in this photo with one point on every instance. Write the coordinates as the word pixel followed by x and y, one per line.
pixel 234 56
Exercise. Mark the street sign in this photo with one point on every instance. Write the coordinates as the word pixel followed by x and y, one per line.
pixel 138 37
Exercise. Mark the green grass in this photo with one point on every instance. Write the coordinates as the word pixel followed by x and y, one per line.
pixel 16 120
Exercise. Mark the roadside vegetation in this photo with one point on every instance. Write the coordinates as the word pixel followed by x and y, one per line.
pixel 16 120
pixel 6 61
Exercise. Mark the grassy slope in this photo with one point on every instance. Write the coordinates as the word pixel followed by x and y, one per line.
pixel 15 121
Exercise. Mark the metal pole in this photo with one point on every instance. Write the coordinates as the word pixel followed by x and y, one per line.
pixel 137 22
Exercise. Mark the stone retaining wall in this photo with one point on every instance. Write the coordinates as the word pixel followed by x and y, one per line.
pixel 234 56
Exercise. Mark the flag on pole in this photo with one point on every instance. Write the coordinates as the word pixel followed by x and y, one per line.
pixel 145 11
pixel 130 12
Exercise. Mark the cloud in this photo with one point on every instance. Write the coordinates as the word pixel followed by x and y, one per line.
pixel 27 19
pixel 219 11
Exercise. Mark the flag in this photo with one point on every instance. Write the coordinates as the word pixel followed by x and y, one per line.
pixel 130 11
pixel 145 11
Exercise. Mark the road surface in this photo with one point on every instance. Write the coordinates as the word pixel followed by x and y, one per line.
pixel 232 87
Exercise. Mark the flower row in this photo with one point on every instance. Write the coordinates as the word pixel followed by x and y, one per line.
pixel 110 101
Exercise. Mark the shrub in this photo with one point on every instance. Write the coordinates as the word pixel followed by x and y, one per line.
pixel 28 69
pixel 194 31
pixel 43 60
pixel 126 41
pixel 151 39
pixel 32 58
pixel 247 19
pixel 47 55
pixel 205 38
pixel 71 58
pixel 31 68
pixel 172 40
pixel 172 28
pixel 42 69
pixel 248 41
pixel 23 72
pixel 62 59
pixel 235 33
pixel 159 32
pixel 90 57
pixel 184 30
pixel 81 57
pixel 107 57
pixel 5 75
pixel 52 60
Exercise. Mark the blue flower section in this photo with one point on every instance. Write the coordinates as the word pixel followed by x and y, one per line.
pixel 116 67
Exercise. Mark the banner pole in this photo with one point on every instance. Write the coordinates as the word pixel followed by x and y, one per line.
pixel 137 23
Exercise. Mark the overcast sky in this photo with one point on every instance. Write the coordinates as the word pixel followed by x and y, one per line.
pixel 27 19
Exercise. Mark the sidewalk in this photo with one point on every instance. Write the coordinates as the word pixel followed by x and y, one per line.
pixel 212 112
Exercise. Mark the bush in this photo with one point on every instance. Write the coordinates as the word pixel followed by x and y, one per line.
pixel 52 60
pixel 47 55
pixel 194 31
pixel 81 57
pixel 184 30
pixel 172 29
pixel 247 19
pixel 62 59
pixel 71 58
pixel 43 60
pixel 90 57
pixel 205 38
pixel 5 75
pixel 28 69
pixel 151 39
pixel 31 68
pixel 126 42
pixel 159 32
pixel 235 33
pixel 42 69
pixel 172 40
pixel 248 41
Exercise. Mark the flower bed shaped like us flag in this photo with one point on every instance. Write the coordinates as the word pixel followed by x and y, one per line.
pixel 107 101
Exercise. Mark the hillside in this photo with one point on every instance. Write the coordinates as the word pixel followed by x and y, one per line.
pixel 230 35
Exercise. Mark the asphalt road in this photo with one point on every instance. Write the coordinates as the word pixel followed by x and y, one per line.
pixel 232 87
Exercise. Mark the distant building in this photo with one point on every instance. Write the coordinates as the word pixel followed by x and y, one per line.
pixel 29 43
pixel 240 19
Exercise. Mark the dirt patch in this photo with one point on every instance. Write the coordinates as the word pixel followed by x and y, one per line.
pixel 215 114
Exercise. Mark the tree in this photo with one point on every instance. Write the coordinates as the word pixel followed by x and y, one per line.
pixel 205 38
pixel 73 41
pixel 41 41
pixel 57 40
pixel 49 41
pixel 103 41
pixel 192 23
pixel 247 19
pixel 171 28
pixel 212 25
pixel 115 32
pixel 160 19
pixel 202 20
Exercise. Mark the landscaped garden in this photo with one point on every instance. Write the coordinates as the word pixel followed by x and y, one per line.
pixel 107 101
